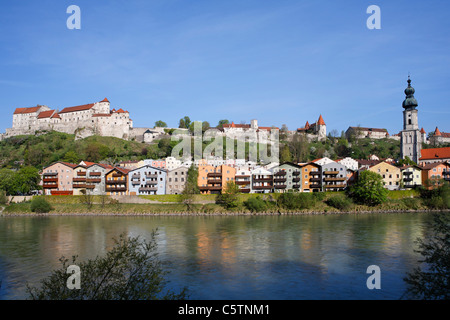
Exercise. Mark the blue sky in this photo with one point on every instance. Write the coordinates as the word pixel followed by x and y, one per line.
pixel 281 62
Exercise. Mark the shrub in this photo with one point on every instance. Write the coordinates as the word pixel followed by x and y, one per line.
pixel 411 203
pixel 339 202
pixel 3 197
pixel 255 204
pixel 296 201
pixel 40 205
pixel 369 189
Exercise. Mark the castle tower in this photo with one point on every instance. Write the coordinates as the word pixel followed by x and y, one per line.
pixel 321 129
pixel 411 140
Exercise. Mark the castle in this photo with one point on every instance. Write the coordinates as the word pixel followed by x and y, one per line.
pixel 83 121
pixel 315 131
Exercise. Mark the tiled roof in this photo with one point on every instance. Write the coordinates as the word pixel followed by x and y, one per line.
pixel 437 132
pixel 429 166
pixel 56 116
pixel 26 110
pixel 77 108
pixel 435 153
pixel 320 121
pixel 104 100
pixel 46 114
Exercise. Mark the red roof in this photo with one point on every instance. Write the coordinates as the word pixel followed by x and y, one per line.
pixel 320 121
pixel 46 114
pixel 422 131
pixel 437 132
pixel 121 111
pixel 77 108
pixel 307 125
pixel 104 100
pixel 26 110
pixel 435 153
pixel 429 166
pixel 56 116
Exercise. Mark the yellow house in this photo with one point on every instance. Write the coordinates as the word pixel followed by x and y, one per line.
pixel 392 175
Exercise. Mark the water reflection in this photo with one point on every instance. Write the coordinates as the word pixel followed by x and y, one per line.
pixel 255 257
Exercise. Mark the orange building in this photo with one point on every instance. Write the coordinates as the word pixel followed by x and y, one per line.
pixel 311 177
pixel 434 173
pixel 214 179
pixel 116 181
pixel 57 178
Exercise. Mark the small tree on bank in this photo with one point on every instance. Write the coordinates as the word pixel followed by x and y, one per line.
pixel 131 270
pixel 369 189
pixel 431 281
pixel 229 197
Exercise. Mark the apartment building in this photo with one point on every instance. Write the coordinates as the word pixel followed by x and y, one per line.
pixel 213 179
pixel 176 180
pixel 147 180
pixel 433 174
pixel 311 177
pixel 116 181
pixel 57 178
pixel 262 181
pixel 334 176
pixel 243 180
pixel 287 176
pixel 411 176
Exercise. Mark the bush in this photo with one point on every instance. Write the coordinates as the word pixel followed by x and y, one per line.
pixel 411 203
pixel 339 202
pixel 297 201
pixel 131 270
pixel 255 204
pixel 40 205
pixel 3 197
pixel 369 189
pixel 436 198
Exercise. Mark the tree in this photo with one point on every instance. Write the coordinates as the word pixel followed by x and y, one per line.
pixel 222 122
pixel 191 187
pixel 431 280
pixel 285 155
pixel 71 156
pixel 160 124
pixel 369 189
pixel 27 179
pixel 8 181
pixel 131 270
pixel 229 196
pixel 184 123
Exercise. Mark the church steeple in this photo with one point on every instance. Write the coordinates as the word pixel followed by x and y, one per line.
pixel 410 102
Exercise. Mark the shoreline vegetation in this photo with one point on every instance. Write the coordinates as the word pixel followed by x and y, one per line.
pixel 209 205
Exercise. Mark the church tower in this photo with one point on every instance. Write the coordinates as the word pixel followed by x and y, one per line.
pixel 411 140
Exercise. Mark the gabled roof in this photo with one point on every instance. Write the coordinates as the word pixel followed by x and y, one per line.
pixel 46 114
pixel 121 111
pixel 429 166
pixel 77 108
pixel 56 116
pixel 27 110
pixel 435 153
pixel 68 164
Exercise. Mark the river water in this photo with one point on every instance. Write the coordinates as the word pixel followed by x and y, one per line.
pixel 230 257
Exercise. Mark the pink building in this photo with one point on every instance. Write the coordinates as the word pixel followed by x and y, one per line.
pixel 57 178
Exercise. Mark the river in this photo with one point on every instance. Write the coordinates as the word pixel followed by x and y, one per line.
pixel 230 257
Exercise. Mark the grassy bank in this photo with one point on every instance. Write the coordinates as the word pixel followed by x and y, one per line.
pixel 325 203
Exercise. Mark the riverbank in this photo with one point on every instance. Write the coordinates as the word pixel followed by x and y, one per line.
pixel 204 205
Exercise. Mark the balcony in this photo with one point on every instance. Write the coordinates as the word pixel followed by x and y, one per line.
pixel 334 186
pixel 242 177
pixel 50 186
pixel 315 185
pixel 50 180
pixel 81 173
pixel 296 173
pixel 262 187
pixel 279 180
pixel 296 186
pixel 117 175
pixel 296 179
pixel 79 179
pixel 210 188
pixel 407 172
pixel 118 189
pixel 214 181
pixel 314 173
pixel 151 176
pixel 244 190
pixel 95 174
pixel 116 181
pixel 214 174
pixel 151 183
pixel 335 179
pixel 94 180
pixel 407 179
pixel 51 174
pixel 148 189
pixel 280 173
pixel 315 180
pixel 79 186
pixel 242 182
pixel 90 186
pixel 279 186
pixel 331 172
pixel 262 179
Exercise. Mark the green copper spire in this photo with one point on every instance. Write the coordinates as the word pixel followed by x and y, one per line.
pixel 410 102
